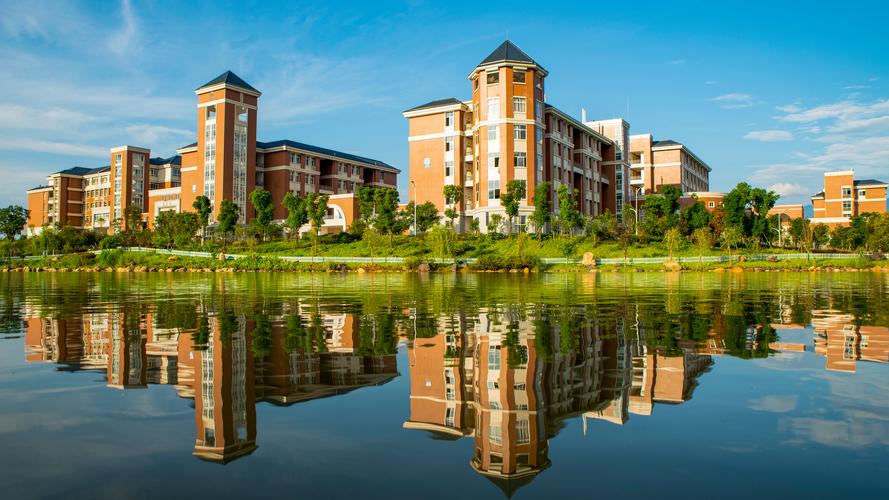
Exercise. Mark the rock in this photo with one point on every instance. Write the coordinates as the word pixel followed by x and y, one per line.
pixel 719 270
pixel 361 270
pixel 737 269
pixel 526 270
pixel 588 260
pixel 169 270
pixel 122 270
pixel 672 266
pixel 26 269
pixel 423 267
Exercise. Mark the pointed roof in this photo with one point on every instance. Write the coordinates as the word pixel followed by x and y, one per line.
pixel 449 101
pixel 508 52
pixel 229 78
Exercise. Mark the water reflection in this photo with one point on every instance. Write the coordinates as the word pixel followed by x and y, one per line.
pixel 503 364
pixel 224 362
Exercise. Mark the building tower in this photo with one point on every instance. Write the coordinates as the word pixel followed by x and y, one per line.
pixel 508 127
pixel 129 181
pixel 226 147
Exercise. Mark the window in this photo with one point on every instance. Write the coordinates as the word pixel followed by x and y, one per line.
pixel 493 77
pixel 862 193
pixel 847 207
pixel 847 192
pixel 520 132
pixel 449 119
pixel 518 105
pixel 711 204
pixel 449 168
pixel 493 161
pixel 520 159
pixel 518 76
pixel 450 412
pixel 538 111
pixel 494 194
pixel 449 143
pixel 475 84
pixel 493 107
pixel 492 132
pixel 294 159
pixel 523 432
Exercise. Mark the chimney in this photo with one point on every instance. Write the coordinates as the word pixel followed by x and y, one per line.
pixel 583 115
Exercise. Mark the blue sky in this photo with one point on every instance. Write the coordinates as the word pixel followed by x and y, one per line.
pixel 771 93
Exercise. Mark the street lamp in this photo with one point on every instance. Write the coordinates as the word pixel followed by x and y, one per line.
pixel 414 184
pixel 636 211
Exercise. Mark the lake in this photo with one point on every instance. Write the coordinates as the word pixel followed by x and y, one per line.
pixel 429 386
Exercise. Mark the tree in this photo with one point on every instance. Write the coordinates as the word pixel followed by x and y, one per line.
pixel 731 238
pixel 747 208
pixel 227 220
pixel 204 208
pixel 878 232
pixel 12 221
pixel 661 212
pixel 297 212
pixel 703 241
pixel 316 206
pixel 821 235
pixel 515 193
pixel 569 216
pixel 568 246
pixel 453 195
pixel 427 216
pixel 494 223
pixel 543 208
pixel 173 229
pixel 695 217
pixel 672 238
pixel 264 206
pixel 133 224
pixel 366 208
pixel 387 220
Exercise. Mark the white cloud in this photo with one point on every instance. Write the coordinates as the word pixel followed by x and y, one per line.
pixel 711 82
pixel 676 62
pixel 768 135
pixel 786 189
pixel 852 134
pixel 149 134
pixel 51 147
pixel 120 41
pixel 734 100
pixel 774 403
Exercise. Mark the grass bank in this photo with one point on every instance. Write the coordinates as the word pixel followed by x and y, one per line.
pixel 503 259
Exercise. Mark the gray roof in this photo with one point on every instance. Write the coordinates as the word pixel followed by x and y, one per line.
pixel 664 143
pixel 35 188
pixel 869 182
pixel 434 104
pixel 323 151
pixel 819 194
pixel 175 160
pixel 507 52
pixel 229 78
pixel 81 171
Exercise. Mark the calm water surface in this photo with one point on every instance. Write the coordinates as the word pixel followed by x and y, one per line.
pixel 407 386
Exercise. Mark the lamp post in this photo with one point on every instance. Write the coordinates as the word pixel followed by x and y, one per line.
pixel 638 190
pixel 414 184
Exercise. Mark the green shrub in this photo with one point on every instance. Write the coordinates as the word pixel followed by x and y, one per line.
pixel 495 262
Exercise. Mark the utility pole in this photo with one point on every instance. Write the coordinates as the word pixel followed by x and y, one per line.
pixel 414 184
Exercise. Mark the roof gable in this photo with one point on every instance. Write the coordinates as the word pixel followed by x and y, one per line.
pixel 229 78
pixel 507 52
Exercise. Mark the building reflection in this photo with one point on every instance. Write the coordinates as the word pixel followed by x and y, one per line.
pixel 509 382
pixel 223 361
pixel 843 341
